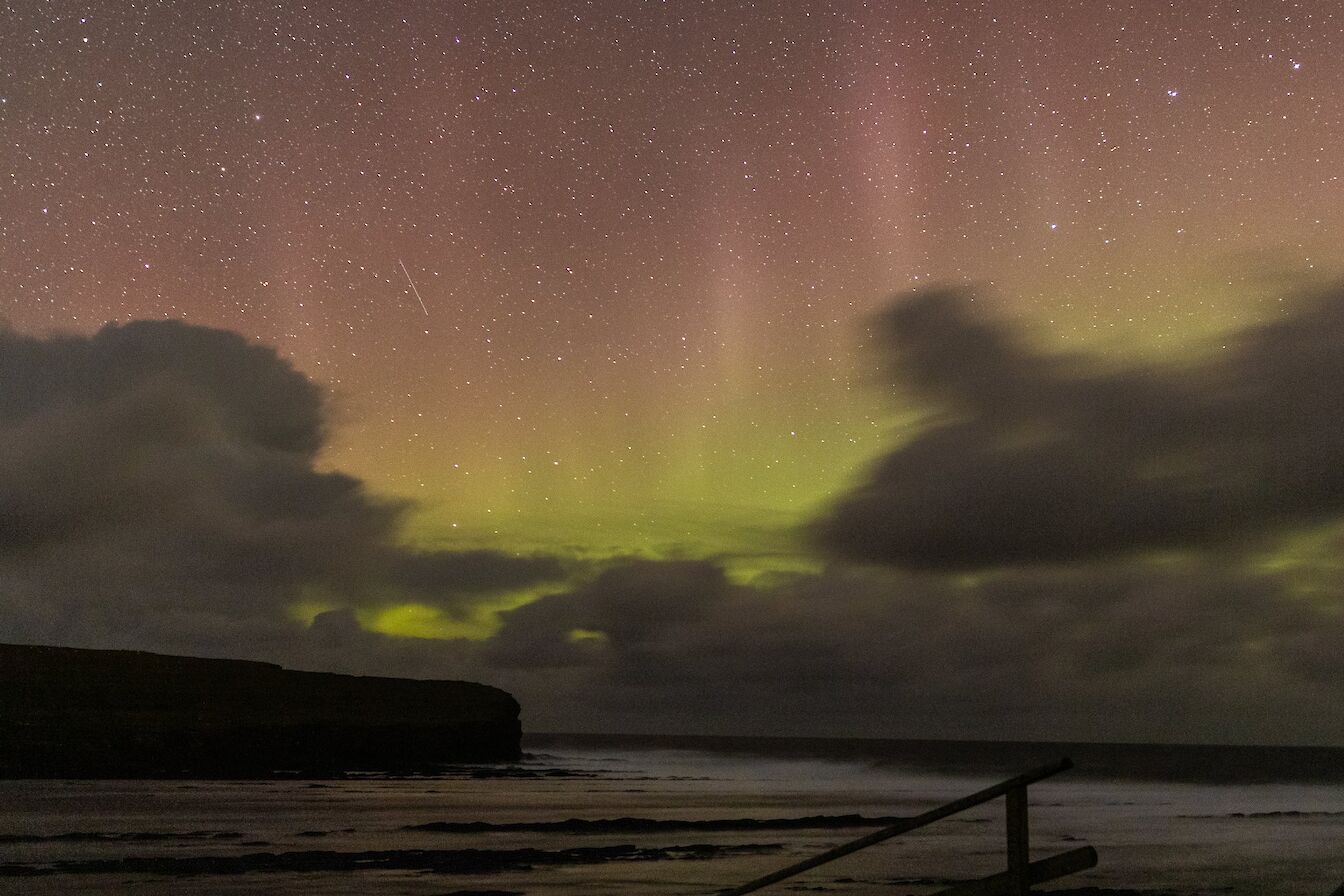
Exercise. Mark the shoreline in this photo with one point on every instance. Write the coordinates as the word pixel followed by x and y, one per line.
pixel 1177 763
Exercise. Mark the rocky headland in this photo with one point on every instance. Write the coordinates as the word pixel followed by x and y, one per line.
pixel 73 713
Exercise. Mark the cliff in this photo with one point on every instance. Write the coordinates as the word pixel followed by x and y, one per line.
pixel 68 713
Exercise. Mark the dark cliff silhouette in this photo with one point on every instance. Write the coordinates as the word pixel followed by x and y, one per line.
pixel 70 713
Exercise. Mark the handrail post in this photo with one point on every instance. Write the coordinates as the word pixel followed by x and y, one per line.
pixel 1018 850
pixel 906 825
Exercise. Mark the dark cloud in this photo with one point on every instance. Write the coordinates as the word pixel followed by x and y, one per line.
pixel 632 606
pixel 427 572
pixel 1041 458
pixel 1187 652
pixel 158 489
pixel 1196 651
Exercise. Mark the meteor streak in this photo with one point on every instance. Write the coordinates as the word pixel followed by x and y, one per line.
pixel 413 289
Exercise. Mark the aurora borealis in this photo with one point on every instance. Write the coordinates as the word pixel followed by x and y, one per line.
pixel 653 242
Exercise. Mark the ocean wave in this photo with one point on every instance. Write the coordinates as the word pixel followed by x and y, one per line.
pixel 1277 813
pixel 657 825
pixel 436 861
pixel 119 836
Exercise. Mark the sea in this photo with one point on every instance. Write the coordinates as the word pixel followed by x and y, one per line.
pixel 591 814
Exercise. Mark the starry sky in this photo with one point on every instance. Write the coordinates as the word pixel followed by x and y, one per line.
pixel 596 280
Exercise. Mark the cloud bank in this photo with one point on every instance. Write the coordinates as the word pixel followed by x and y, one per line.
pixel 159 488
pixel 1049 458
pixel 1199 652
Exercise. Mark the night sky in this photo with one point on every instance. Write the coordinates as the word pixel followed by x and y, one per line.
pixel 687 366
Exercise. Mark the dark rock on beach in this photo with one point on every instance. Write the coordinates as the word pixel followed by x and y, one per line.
pixel 70 713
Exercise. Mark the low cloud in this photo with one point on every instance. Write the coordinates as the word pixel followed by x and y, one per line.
pixel 1035 457
pixel 158 489
pixel 1196 651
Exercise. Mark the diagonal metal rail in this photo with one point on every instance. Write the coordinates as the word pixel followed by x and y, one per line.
pixel 1016 785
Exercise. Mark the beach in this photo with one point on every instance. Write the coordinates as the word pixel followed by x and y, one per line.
pixel 648 816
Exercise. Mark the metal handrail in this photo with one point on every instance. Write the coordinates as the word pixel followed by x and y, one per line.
pixel 906 825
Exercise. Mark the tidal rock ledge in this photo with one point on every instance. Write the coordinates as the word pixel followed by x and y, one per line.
pixel 71 713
